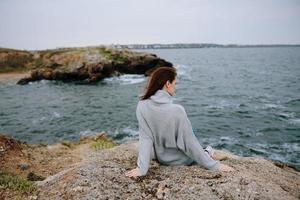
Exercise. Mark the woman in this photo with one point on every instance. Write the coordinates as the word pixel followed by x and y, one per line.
pixel 165 130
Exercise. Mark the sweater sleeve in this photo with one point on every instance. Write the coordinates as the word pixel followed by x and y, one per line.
pixel 189 144
pixel 145 143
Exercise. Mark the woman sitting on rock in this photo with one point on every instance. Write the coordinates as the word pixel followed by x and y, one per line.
pixel 165 132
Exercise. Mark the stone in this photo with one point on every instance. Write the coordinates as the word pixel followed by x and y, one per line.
pixel 24 166
pixel 91 64
pixel 105 170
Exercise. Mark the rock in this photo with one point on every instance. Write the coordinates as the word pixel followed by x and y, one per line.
pixel 24 166
pixel 102 176
pixel 101 135
pixel 25 80
pixel 91 64
pixel 8 144
pixel 33 177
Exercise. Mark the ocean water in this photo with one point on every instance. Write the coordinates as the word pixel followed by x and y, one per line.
pixel 245 100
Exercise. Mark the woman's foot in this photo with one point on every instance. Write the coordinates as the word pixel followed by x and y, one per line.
pixel 210 150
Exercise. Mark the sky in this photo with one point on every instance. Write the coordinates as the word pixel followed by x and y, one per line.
pixel 46 24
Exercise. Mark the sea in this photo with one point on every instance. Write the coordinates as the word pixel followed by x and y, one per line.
pixel 244 100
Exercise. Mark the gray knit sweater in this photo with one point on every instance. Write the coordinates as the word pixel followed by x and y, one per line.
pixel 166 132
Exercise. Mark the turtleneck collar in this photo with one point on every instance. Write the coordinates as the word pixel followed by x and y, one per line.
pixel 161 96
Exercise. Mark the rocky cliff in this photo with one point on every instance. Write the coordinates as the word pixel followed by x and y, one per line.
pixel 90 64
pixel 101 176
pixel 94 168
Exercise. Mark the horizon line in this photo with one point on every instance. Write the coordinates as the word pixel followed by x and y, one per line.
pixel 149 44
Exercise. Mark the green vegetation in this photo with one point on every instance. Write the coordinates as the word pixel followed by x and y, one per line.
pixel 22 61
pixel 104 52
pixel 15 62
pixel 16 183
pixel 6 69
pixel 7 50
pixel 52 52
pixel 121 60
pixel 113 55
pixel 102 144
pixel 66 143
pixel 39 62
pixel 43 143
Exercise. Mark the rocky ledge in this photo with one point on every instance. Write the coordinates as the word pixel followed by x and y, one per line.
pixel 91 63
pixel 101 176
pixel 75 171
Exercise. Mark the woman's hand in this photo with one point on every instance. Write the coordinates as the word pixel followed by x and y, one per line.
pixel 225 168
pixel 133 173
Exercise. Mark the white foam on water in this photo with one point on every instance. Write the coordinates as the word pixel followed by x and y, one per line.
pixel 184 71
pixel 215 106
pixel 219 141
pixel 225 138
pixel 56 114
pixel 130 131
pixel 295 121
pixel 277 157
pixel 49 117
pixel 255 148
pixel 87 132
pixel 130 134
pixel 126 79
pixel 271 105
pixel 258 134
pixel 43 81
pixel 219 105
pixel 222 104
pixel 291 147
pixel 279 151
pixel 283 152
pixel 38 120
pixel 286 114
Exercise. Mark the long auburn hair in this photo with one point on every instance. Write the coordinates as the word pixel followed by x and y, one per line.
pixel 157 80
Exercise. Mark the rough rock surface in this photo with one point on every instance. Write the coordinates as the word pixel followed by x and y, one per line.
pixel 101 176
pixel 12 60
pixel 91 64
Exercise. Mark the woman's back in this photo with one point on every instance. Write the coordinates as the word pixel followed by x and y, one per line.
pixel 165 127
pixel 162 118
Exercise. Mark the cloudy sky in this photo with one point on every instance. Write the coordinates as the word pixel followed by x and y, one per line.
pixel 41 24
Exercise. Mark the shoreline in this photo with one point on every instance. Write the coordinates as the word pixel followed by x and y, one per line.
pixel 23 164
pixel 7 76
pixel 106 137
pixel 41 170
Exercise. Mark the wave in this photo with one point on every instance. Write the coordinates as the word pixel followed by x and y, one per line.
pixel 126 79
pixel 119 135
pixel 49 117
pixel 291 147
pixel 293 102
pixel 222 105
pixel 56 114
pixel 286 115
pixel 87 132
pixel 295 121
pixel 225 138
pixel 40 82
pixel 225 103
pixel 124 135
pixel 184 71
pixel 38 120
pixel 285 152
pixel 272 106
